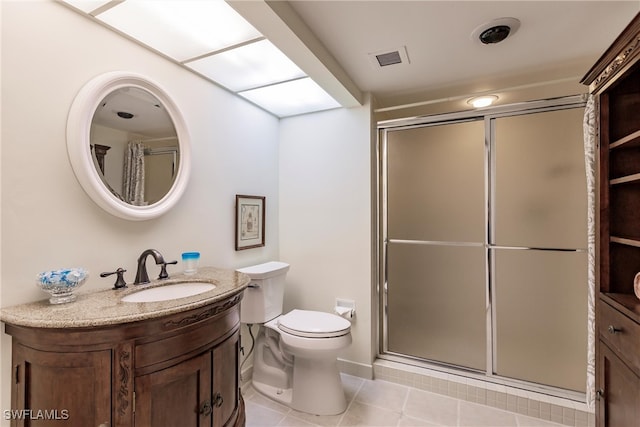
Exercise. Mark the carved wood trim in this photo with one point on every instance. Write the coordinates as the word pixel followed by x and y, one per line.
pixel 624 52
pixel 620 61
pixel 202 315
pixel 123 387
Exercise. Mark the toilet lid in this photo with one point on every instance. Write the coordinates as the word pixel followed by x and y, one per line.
pixel 313 324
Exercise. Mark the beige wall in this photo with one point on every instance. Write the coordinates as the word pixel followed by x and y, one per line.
pixel 325 216
pixel 48 53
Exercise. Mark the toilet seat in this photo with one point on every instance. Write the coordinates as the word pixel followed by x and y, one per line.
pixel 313 324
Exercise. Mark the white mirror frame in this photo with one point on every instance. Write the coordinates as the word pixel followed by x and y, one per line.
pixel 79 147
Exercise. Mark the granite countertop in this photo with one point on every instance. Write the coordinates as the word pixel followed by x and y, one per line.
pixel 103 307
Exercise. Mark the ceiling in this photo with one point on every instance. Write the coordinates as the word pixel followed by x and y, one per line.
pixel 332 42
pixel 557 41
pixel 136 111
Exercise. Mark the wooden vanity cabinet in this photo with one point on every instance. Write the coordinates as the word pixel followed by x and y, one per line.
pixel 179 370
pixel 184 394
pixel 178 395
pixel 615 82
pixel 40 383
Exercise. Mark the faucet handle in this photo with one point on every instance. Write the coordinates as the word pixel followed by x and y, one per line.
pixel 120 282
pixel 163 269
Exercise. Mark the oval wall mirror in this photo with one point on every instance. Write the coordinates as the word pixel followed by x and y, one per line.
pixel 128 145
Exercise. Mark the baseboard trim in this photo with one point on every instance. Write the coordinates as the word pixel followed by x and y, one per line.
pixel 356 369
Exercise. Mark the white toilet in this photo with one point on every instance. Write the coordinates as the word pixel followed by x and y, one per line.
pixel 295 354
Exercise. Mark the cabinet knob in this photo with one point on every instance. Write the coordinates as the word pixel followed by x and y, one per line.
pixel 205 408
pixel 613 330
pixel 218 400
pixel 599 394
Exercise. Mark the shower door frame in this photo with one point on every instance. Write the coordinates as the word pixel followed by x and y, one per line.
pixel 382 239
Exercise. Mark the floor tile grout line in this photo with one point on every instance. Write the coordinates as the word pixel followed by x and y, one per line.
pixel 377 406
pixel 350 403
pixel 353 399
pixel 404 406
pixel 284 415
pixel 289 410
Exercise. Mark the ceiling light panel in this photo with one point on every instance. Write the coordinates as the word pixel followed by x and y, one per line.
pixel 247 67
pixel 291 98
pixel 87 5
pixel 181 29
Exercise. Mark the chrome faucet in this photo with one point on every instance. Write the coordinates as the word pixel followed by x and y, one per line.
pixel 141 274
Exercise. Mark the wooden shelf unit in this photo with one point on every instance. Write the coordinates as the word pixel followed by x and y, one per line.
pixel 615 82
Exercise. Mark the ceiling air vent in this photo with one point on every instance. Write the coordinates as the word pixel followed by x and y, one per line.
pixel 389 57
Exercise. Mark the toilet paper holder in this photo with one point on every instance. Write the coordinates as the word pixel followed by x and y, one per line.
pixel 345 308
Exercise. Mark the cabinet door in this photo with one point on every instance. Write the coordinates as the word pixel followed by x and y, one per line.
pixel 225 381
pixel 175 397
pixel 619 386
pixel 40 377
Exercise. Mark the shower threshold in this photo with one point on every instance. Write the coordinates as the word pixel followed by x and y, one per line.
pixel 525 398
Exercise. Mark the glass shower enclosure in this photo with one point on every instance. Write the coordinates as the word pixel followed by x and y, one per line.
pixel 483 235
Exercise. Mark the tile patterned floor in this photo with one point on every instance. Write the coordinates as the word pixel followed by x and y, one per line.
pixel 386 404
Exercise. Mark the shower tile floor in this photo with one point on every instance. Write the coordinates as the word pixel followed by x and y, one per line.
pixel 382 403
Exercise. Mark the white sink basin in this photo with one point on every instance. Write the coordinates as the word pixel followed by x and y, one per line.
pixel 169 292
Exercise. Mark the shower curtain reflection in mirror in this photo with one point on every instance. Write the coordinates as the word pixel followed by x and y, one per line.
pixel 139 172
pixel 133 190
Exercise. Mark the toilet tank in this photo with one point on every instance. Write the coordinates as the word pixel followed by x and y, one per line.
pixel 262 300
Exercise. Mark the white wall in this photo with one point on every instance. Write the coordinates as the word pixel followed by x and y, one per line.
pixel 48 53
pixel 325 216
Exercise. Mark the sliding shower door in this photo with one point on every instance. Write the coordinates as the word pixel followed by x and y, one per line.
pixel 435 252
pixel 539 237
pixel 160 173
pixel 484 235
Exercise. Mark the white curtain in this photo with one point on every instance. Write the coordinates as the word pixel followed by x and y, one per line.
pixel 133 180
pixel 590 150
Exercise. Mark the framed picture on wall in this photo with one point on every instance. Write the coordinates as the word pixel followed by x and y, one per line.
pixel 249 222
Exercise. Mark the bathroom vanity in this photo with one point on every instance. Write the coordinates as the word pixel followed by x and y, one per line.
pixel 101 361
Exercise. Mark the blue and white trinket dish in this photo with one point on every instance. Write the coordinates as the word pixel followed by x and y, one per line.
pixel 62 283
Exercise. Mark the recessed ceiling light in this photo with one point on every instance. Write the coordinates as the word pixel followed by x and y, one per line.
pixel 482 101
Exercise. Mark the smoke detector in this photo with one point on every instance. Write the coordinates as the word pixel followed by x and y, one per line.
pixel 495 31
